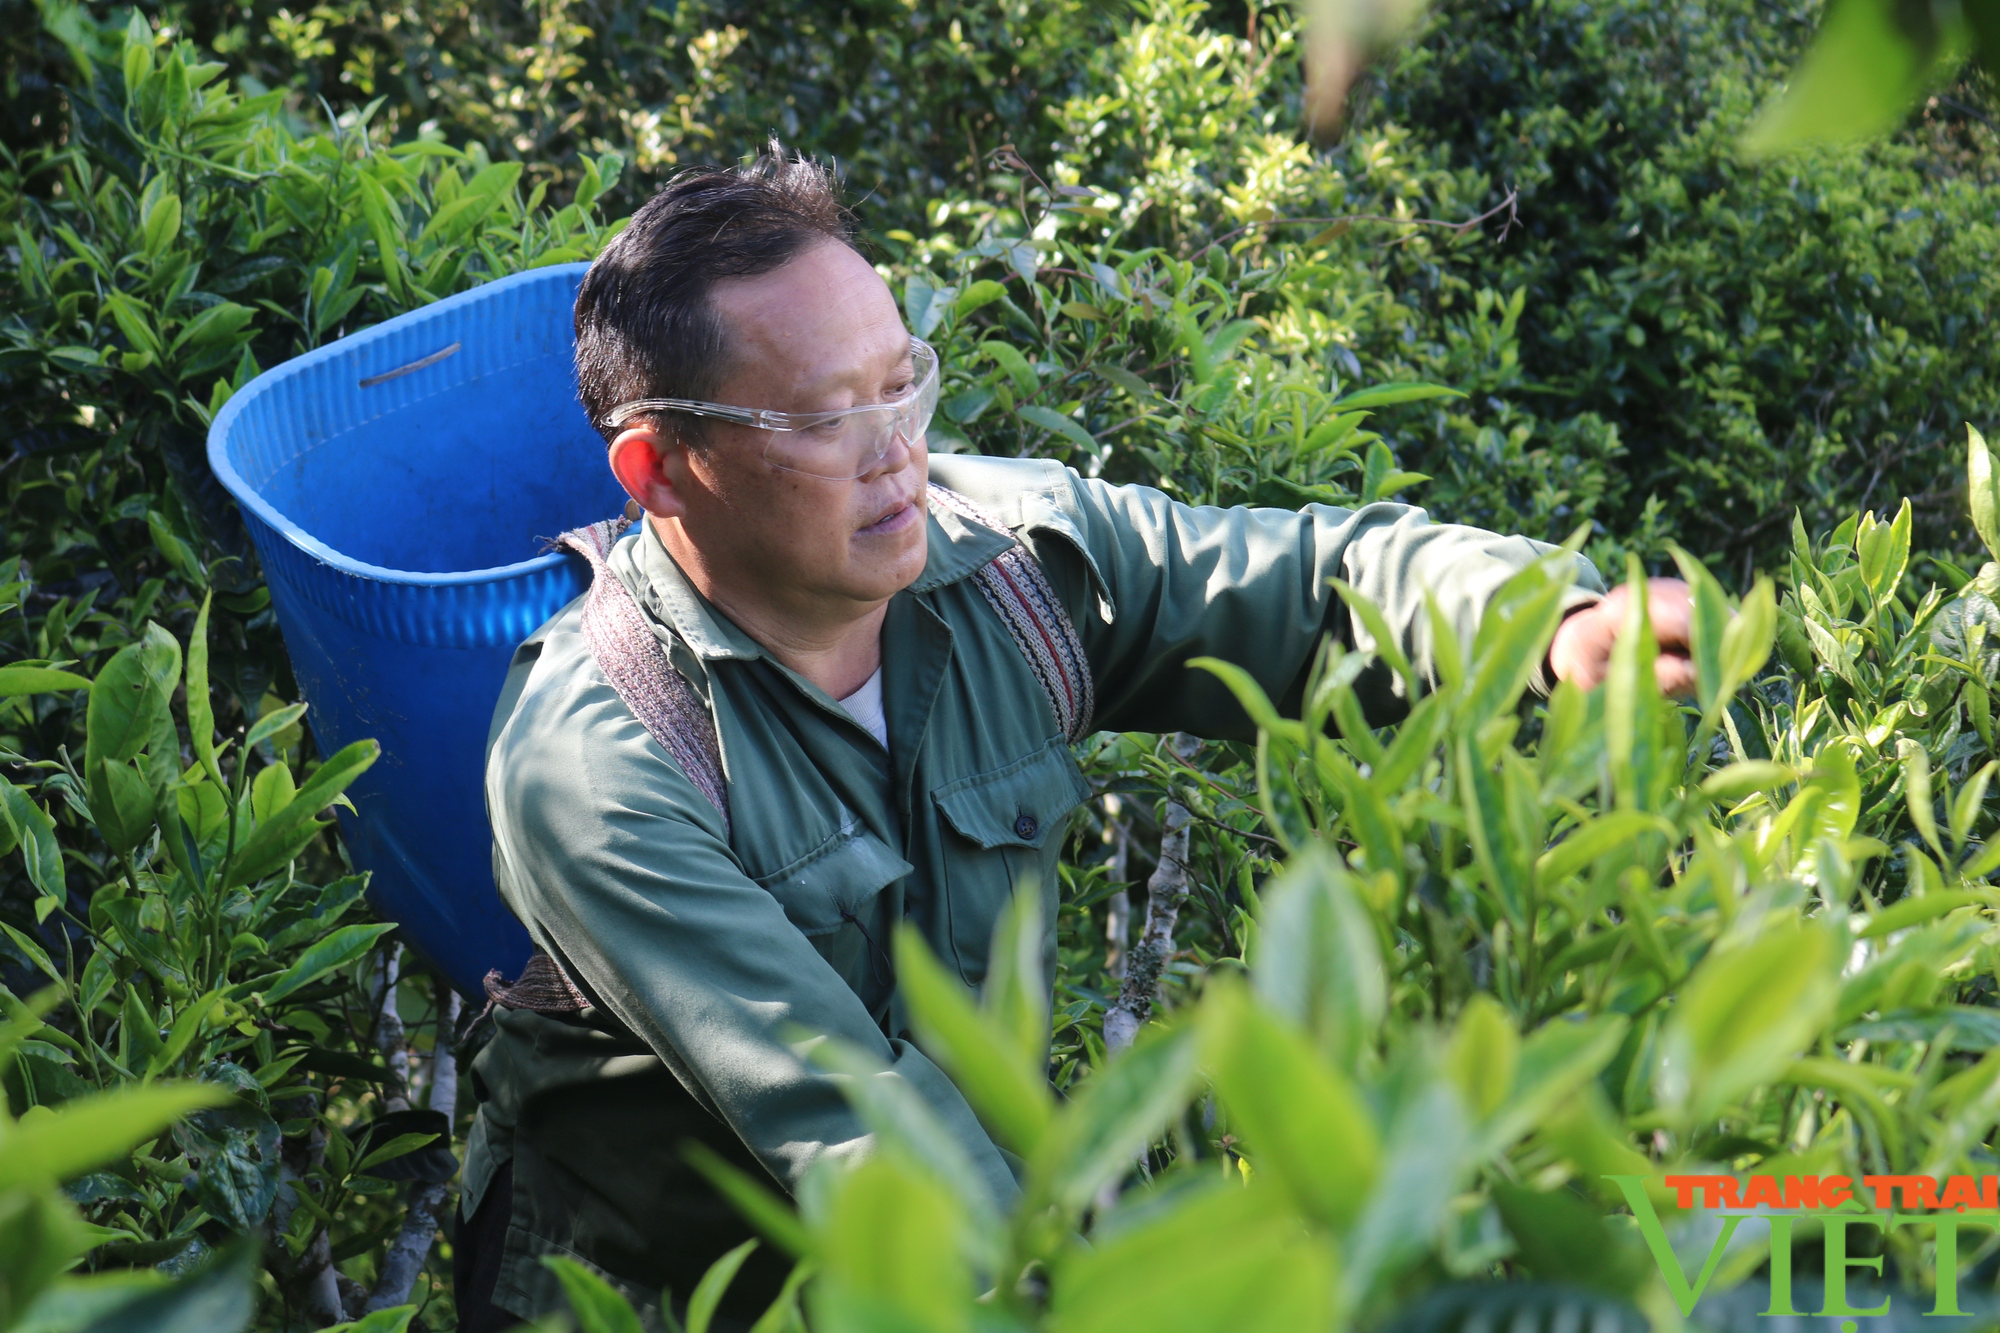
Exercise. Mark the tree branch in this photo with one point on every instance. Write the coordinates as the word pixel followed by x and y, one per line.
pixel 408 1253
pixel 1506 206
pixel 442 1095
pixel 1118 919
pixel 1166 891
pixel 390 1038
pixel 410 1249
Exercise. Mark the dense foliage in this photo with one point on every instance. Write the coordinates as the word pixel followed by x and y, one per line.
pixel 1493 953
pixel 179 892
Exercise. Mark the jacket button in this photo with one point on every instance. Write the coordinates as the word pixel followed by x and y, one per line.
pixel 1026 826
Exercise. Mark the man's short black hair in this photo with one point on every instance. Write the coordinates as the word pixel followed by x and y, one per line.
pixel 644 324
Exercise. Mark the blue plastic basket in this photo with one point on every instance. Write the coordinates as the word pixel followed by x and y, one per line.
pixel 400 486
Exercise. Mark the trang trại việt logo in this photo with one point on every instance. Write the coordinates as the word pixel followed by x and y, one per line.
pixel 1839 1205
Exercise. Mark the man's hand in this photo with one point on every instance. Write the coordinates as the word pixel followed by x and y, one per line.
pixel 1581 651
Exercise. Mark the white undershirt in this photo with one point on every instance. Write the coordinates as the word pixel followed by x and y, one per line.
pixel 865 707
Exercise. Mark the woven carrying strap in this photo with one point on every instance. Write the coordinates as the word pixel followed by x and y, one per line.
pixel 1015 586
pixel 542 986
pixel 632 659
pixel 630 656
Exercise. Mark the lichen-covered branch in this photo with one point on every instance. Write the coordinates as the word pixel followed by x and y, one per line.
pixel 1118 913
pixel 404 1262
pixel 390 1038
pixel 442 1095
pixel 1166 891
pixel 411 1247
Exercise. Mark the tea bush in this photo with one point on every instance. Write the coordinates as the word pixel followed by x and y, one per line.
pixel 1702 344
pixel 1501 947
pixel 1802 333
pixel 188 911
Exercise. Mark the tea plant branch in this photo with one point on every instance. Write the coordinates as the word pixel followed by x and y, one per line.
pixel 1118 910
pixel 442 1095
pixel 412 1246
pixel 1166 891
pixel 390 1037
pixel 407 1253
pixel 1507 206
pixel 1232 830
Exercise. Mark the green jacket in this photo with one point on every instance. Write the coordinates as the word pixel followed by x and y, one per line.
pixel 703 950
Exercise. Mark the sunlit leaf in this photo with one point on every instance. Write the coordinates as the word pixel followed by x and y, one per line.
pixel 91 1131
pixel 1226 1260
pixel 1288 1103
pixel 1743 1013
pixel 1318 961
pixel 1865 70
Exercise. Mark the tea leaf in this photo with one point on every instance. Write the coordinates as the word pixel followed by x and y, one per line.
pixel 1744 1012
pixel 1485 1049
pixel 337 950
pixel 1386 395
pixel 219 1298
pixel 1004 1084
pixel 892 1255
pixel 272 723
pixel 277 840
pixel 1985 490
pixel 16 681
pixel 1225 1260
pixel 1288 1104
pixel 123 704
pixel 91 1131
pixel 1096 1136
pixel 764 1210
pixel 1318 961
pixel 200 708
pixel 595 1303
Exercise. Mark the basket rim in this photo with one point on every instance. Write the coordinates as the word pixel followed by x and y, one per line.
pixel 248 496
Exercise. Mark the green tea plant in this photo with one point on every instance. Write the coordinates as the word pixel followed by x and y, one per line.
pixel 41 1232
pixel 1660 337
pixel 183 888
pixel 186 946
pixel 1516 928
pixel 1762 336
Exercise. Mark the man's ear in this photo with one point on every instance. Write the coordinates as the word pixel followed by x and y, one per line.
pixel 642 459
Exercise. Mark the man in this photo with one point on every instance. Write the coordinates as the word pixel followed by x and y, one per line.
pixel 857 729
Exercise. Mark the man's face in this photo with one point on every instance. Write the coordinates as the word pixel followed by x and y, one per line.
pixel 819 334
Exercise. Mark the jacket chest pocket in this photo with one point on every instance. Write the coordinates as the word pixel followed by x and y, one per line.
pixel 1014 819
pixel 836 882
pixel 833 895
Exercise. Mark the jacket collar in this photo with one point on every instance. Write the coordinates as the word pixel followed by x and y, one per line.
pixel 958 548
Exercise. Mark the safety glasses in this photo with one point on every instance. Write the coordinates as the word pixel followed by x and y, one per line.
pixel 840 445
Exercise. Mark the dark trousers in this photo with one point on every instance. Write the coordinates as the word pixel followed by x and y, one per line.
pixel 475 1264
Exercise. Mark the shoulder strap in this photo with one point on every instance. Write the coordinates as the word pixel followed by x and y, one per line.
pixel 1015 586
pixel 632 659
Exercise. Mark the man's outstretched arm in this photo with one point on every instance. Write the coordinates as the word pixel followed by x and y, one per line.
pixel 1254 587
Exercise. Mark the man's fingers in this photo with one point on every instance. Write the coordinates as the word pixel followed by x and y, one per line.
pixel 1581 652
pixel 1675 674
pixel 1667 604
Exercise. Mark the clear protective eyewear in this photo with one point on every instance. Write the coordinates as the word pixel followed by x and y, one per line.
pixel 839 445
